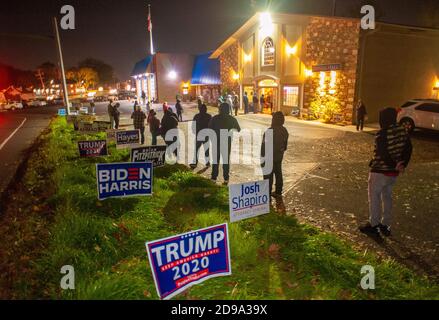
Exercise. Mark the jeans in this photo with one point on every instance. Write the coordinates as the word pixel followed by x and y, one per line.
pixel 226 163
pixel 276 172
pixel 360 124
pixel 206 153
pixel 142 135
pixel 380 198
pixel 154 138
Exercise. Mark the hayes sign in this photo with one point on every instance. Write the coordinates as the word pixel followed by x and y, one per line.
pixel 124 179
pixel 182 261
pixel 126 139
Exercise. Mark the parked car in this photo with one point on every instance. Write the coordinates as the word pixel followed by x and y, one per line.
pixel 36 103
pixel 11 105
pixel 419 113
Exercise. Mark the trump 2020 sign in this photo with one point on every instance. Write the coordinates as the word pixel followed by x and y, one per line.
pixel 181 261
pixel 124 179
pixel 248 200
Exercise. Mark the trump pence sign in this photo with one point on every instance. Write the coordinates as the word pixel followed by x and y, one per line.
pixel 184 260
pixel 248 200
pixel 124 179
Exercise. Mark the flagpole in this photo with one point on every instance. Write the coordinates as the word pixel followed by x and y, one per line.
pixel 150 30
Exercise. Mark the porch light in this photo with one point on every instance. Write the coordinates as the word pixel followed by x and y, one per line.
pixel 291 50
pixel 308 73
pixel 172 75
pixel 247 57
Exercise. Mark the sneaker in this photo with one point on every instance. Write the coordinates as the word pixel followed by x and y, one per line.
pixel 276 195
pixel 385 230
pixel 226 183
pixel 193 166
pixel 367 228
pixel 208 165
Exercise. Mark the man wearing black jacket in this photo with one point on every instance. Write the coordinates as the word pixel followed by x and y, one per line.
pixel 280 144
pixel 223 121
pixel 393 150
pixel 201 121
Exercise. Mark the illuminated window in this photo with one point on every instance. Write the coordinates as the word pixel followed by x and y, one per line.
pixel 291 96
pixel 268 52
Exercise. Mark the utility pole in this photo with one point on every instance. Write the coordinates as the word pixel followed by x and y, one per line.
pixel 61 62
pixel 334 7
pixel 40 75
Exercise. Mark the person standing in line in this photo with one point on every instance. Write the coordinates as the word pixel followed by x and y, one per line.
pixel 230 103
pixel 179 109
pixel 361 115
pixel 169 122
pixel 246 102
pixel 116 115
pixel 393 150
pixel 262 102
pixel 201 121
pixel 93 107
pixel 255 103
pixel 110 111
pixel 280 144
pixel 236 104
pixel 223 121
pixel 139 117
pixel 154 126
pixel 143 97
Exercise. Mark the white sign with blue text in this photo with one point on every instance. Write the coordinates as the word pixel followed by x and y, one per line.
pixel 248 200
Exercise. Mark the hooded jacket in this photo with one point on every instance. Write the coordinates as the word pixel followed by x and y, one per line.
pixel 169 121
pixel 224 121
pixel 392 145
pixel 280 137
pixel 202 119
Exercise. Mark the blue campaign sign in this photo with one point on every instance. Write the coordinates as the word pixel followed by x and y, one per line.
pixel 123 179
pixel 181 261
pixel 62 112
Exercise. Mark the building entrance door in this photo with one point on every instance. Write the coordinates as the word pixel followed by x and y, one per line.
pixel 268 100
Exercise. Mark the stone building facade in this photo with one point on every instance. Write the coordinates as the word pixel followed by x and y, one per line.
pixel 314 66
pixel 229 71
pixel 332 41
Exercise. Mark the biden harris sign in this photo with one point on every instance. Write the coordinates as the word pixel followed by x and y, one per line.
pixel 181 261
pixel 248 200
pixel 124 179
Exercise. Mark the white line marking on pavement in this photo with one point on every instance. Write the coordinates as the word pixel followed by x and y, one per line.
pixel 12 134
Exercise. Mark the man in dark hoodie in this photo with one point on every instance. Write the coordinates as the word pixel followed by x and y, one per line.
pixel 223 121
pixel 169 122
pixel 280 143
pixel 393 150
pixel 201 121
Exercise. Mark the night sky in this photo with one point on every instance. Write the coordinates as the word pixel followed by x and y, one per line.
pixel 115 30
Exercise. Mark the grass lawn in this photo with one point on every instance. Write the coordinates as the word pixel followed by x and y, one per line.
pixel 273 256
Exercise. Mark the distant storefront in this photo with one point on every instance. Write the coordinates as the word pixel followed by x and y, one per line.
pixel 166 76
pixel 322 66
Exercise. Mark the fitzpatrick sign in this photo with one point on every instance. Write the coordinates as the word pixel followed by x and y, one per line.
pixel 95 148
pixel 184 260
pixel 154 154
pixel 123 179
pixel 248 200
pixel 127 139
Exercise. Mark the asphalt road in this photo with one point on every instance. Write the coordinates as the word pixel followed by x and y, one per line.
pixel 18 130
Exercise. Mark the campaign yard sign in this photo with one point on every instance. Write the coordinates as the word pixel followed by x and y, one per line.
pixel 154 154
pixel 123 179
pixel 111 134
pixel 62 112
pixel 95 148
pixel 248 200
pixel 181 261
pixel 127 139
